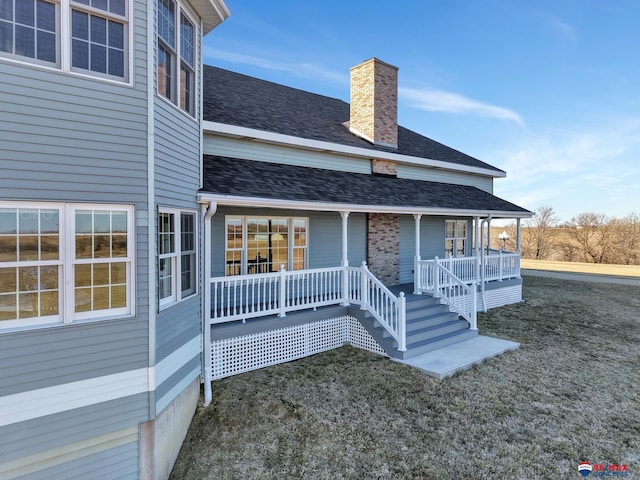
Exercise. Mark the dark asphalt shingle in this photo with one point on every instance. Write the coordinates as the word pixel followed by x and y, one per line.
pixel 247 178
pixel 235 99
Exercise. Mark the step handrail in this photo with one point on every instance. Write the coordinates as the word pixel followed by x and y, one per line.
pixel 462 298
pixel 390 311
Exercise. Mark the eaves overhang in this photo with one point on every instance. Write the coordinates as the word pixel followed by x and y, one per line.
pixel 212 12
pixel 257 202
pixel 319 145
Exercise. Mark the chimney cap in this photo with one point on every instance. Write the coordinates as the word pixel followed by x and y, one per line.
pixel 374 60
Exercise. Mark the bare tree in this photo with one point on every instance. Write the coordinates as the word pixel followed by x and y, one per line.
pixel 594 232
pixel 628 239
pixel 537 237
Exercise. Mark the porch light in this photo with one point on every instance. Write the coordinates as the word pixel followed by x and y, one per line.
pixel 504 236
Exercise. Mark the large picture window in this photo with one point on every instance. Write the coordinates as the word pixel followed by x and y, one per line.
pixel 263 244
pixel 98 33
pixel 176 256
pixel 176 55
pixel 455 238
pixel 60 263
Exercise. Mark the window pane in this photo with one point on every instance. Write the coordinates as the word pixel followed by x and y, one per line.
pixel 101 4
pixel 46 13
pixel 102 222
pixel 49 221
pixel 116 62
pixel 27 279
pixel 8 307
pixel 83 299
pixel 49 278
pixel 84 222
pixel 8 221
pixel 49 247
pixel 6 37
pixel 101 274
pixel 79 25
pixel 186 89
pixel 119 222
pixel 82 275
pixel 101 246
pixel 8 280
pixel 84 246
pixel 188 283
pixel 8 248
pixel 28 245
pixel 450 229
pixel 98 30
pixel 119 246
pixel 234 262
pixel 101 298
pixel 164 72
pixel 28 221
pixel 98 58
pixel 28 305
pixel 6 9
pixel 187 231
pixel 116 35
pixel 187 33
pixel 118 297
pixel 166 240
pixel 165 280
pixel 118 273
pixel 166 22
pixel 46 49
pixel 49 303
pixel 462 229
pixel 117 7
pixel 25 12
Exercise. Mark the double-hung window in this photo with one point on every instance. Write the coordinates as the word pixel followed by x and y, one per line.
pixel 87 36
pixel 177 271
pixel 455 238
pixel 65 262
pixel 263 244
pixel 176 55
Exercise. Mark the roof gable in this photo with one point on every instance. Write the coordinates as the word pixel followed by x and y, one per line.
pixel 235 99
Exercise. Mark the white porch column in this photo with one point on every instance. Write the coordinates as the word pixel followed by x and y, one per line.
pixel 476 247
pixel 345 258
pixel 417 278
pixel 488 234
pixel 206 310
pixel 345 238
pixel 518 238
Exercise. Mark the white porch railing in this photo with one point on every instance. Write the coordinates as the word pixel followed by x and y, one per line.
pixel 442 283
pixel 243 297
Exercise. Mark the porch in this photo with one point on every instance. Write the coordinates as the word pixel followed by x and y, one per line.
pixel 262 319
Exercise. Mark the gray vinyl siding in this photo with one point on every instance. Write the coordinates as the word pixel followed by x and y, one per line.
pixel 176 326
pixel 179 376
pixel 119 463
pixel 324 236
pixel 251 150
pixel 45 357
pixel 53 431
pixel 435 175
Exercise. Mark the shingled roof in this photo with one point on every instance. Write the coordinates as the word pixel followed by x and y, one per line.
pixel 252 179
pixel 235 99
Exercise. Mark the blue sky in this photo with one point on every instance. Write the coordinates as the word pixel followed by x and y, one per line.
pixel 548 91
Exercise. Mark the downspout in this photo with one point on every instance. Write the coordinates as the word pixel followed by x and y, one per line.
pixel 207 212
pixel 151 226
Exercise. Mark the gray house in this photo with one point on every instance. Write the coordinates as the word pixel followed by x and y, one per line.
pixel 100 307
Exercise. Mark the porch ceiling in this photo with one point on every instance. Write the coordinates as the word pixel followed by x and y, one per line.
pixel 245 182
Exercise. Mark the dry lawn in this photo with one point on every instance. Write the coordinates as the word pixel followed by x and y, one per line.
pixel 577 267
pixel 571 393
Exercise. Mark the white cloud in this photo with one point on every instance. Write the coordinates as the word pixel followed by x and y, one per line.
pixel 440 101
pixel 299 69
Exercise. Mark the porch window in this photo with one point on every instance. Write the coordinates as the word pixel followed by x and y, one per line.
pixel 39 258
pixel 262 244
pixel 176 256
pixel 455 238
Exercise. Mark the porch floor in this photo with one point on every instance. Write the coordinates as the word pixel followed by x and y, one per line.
pixel 446 361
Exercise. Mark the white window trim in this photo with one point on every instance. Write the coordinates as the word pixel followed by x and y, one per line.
pixel 290 245
pixel 176 256
pixel 181 7
pixel 63 45
pixel 66 261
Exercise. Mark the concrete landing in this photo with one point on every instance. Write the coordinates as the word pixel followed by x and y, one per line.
pixel 446 361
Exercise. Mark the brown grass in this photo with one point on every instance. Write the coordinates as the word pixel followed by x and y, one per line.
pixel 577 267
pixel 571 393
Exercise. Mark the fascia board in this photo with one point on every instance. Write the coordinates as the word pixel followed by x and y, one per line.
pixel 344 207
pixel 281 139
pixel 212 12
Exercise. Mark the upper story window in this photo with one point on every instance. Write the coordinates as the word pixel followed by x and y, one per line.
pixel 262 244
pixel 455 238
pixel 63 262
pixel 176 256
pixel 176 55
pixel 88 36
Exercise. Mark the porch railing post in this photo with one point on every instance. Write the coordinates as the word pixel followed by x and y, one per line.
pixel 474 307
pixel 436 277
pixel 345 286
pixel 500 260
pixel 364 289
pixel 282 297
pixel 402 323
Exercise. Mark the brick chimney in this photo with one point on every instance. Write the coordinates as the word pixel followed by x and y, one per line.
pixel 374 102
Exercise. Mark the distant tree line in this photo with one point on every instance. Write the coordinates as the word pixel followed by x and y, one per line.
pixel 587 237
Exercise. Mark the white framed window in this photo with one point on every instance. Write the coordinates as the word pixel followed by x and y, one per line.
pixel 65 262
pixel 86 36
pixel 176 54
pixel 177 261
pixel 455 241
pixel 261 244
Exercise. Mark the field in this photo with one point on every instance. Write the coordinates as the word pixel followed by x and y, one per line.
pixel 570 394
pixel 577 267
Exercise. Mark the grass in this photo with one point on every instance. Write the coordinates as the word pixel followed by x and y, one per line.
pixel 577 267
pixel 570 394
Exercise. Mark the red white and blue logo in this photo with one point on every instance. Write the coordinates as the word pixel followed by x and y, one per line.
pixel 585 468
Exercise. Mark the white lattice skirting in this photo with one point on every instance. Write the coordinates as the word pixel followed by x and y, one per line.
pixel 232 356
pixel 502 296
